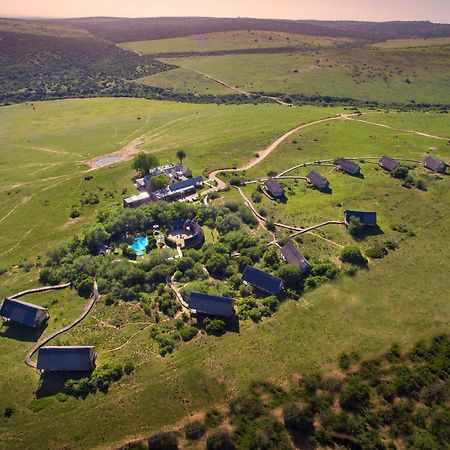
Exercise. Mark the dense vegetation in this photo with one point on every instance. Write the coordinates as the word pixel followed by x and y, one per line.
pixel 39 67
pixel 396 400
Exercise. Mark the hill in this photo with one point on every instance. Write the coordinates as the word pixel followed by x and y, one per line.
pixel 125 30
pixel 41 62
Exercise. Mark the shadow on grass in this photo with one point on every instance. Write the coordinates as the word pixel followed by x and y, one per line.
pixel 18 332
pixel 327 190
pixel 52 383
pixel 359 175
pixel 369 231
pixel 232 323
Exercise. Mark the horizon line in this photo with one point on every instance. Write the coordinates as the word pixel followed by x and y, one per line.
pixel 24 17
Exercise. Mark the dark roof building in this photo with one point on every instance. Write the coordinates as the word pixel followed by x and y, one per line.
pixel 365 217
pixel 317 180
pixel 66 359
pixel 274 188
pixel 178 190
pixel 293 256
pixel 23 312
pixel 434 164
pixel 262 280
pixel 349 166
pixel 388 164
pixel 211 305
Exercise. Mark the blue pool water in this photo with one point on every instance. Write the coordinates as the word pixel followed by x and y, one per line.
pixel 139 245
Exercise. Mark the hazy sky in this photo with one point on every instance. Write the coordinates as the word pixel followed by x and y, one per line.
pixel 434 10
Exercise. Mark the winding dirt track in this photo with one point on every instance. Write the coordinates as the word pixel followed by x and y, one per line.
pixel 235 89
pixel 267 151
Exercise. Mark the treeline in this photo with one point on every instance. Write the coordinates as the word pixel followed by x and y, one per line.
pixel 125 30
pixel 39 67
pixel 396 400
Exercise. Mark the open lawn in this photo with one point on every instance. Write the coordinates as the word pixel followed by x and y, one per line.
pixel 383 75
pixel 231 40
pixel 401 298
pixel 45 147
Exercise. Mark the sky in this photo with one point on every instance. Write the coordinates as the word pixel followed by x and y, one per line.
pixel 376 10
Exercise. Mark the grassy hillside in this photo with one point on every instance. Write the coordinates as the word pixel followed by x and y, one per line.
pixel 384 75
pixel 39 62
pixel 389 302
pixel 45 146
pixel 231 40
pixel 127 30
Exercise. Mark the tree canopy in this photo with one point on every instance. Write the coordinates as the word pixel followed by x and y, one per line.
pixel 143 162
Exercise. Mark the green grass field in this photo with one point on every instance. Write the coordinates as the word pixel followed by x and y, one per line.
pixel 385 75
pixel 230 40
pixel 410 43
pixel 185 80
pixel 45 146
pixel 400 298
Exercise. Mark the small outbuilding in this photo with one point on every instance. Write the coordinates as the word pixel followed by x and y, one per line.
pixel 292 256
pixel 211 305
pixel 388 163
pixel 273 188
pixel 137 200
pixel 66 359
pixel 262 280
pixel 434 164
pixel 317 180
pixel 24 313
pixel 366 218
pixel 347 165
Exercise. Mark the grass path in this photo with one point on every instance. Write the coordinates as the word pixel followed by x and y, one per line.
pixel 417 133
pixel 92 299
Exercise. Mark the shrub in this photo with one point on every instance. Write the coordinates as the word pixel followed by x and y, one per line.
pixel 74 213
pixel 163 441
pixel 400 172
pixel 194 430
pixel 355 396
pixel 256 196
pixel 220 440
pixel 377 251
pixel 188 332
pixel 353 255
pixel 270 225
pixel 296 419
pixel 213 418
pixel 215 326
pixel 8 412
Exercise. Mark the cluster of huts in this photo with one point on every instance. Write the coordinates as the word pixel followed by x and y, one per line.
pixel 50 358
pixel 276 191
pixel 212 305
pixel 181 183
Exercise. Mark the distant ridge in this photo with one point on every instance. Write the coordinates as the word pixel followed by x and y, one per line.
pixel 116 29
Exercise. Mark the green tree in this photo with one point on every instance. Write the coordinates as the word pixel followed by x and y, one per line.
pixel 159 182
pixel 181 154
pixel 94 237
pixel 143 162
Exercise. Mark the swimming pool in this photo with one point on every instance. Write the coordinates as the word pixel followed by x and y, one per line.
pixel 139 245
